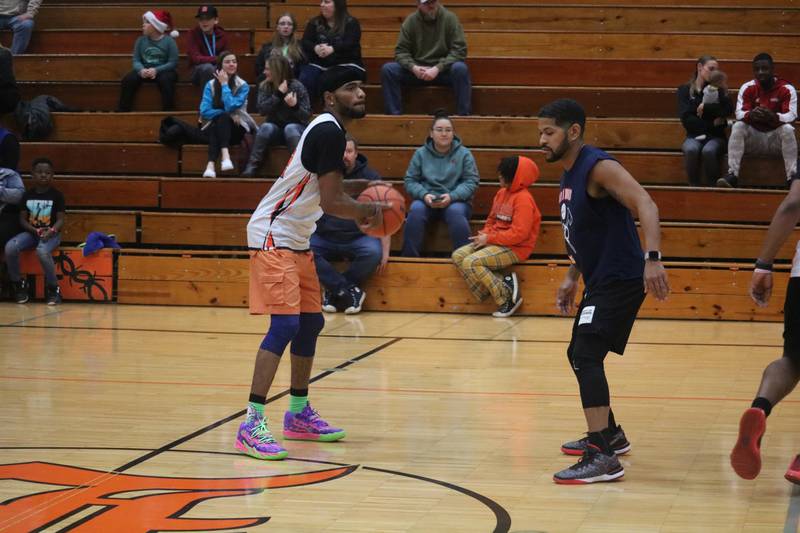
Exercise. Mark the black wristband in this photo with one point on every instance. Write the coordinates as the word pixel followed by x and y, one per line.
pixel 763 265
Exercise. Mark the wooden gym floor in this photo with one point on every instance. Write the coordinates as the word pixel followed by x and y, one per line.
pixel 124 418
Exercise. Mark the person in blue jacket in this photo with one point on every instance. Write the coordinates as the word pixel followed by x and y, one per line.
pixel 441 180
pixel 223 111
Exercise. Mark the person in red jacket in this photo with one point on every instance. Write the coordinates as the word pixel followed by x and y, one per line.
pixel 206 42
pixel 508 237
pixel 765 111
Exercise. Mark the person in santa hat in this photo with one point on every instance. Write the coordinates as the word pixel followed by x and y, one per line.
pixel 155 59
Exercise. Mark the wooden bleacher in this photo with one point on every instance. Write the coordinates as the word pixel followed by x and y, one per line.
pixel 184 236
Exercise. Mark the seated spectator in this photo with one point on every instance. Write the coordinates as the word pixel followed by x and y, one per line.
pixel 9 92
pixel 41 218
pixel 224 113
pixel 337 238
pixel 11 190
pixel 206 41
pixel 284 102
pixel 18 15
pixel 441 180
pixel 765 111
pixel 331 38
pixel 508 237
pixel 285 43
pixel 431 50
pixel 9 149
pixel 705 122
pixel 155 60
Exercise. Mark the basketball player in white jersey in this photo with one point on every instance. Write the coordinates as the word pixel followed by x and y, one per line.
pixel 283 280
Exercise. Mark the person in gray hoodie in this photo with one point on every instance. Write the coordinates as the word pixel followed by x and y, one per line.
pixel 441 180
pixel 11 191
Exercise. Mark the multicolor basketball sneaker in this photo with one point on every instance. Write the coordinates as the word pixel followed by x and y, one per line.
pixel 594 467
pixel 618 442
pixel 746 454
pixel 307 425
pixel 255 439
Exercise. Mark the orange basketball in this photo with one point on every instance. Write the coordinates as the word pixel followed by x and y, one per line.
pixel 393 217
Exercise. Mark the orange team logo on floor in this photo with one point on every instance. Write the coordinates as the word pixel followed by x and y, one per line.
pixel 123 511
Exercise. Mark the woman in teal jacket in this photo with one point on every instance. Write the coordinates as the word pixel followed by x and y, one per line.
pixel 441 180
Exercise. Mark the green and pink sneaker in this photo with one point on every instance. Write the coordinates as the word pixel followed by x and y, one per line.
pixel 307 425
pixel 255 439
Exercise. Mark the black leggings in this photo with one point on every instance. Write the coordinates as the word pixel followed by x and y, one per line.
pixel 223 133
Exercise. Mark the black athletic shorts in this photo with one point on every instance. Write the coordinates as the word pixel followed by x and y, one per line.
pixel 791 321
pixel 609 310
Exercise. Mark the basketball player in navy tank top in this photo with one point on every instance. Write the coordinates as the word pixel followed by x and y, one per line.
pixel 598 199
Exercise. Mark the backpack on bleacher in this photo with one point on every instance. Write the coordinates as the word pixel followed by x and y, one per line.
pixel 33 118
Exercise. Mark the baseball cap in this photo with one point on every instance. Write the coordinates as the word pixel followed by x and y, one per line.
pixel 206 12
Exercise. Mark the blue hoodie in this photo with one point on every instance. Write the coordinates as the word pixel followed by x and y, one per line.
pixel 454 173
pixel 344 230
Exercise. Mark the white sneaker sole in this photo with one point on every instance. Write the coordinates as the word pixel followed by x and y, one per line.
pixel 498 314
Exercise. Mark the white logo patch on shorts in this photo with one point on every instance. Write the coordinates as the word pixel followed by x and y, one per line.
pixel 587 314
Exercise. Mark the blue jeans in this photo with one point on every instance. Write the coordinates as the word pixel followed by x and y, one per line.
pixel 394 77
pixel 364 254
pixel 456 216
pixel 703 155
pixel 44 249
pixel 274 135
pixel 23 29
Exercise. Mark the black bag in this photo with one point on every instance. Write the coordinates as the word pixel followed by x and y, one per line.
pixel 33 118
pixel 175 133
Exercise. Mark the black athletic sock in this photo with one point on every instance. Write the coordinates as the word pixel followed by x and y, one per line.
pixel 763 404
pixel 255 398
pixel 596 438
pixel 298 392
pixel 612 424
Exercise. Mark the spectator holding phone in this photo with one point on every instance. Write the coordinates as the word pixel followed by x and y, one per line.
pixel 441 180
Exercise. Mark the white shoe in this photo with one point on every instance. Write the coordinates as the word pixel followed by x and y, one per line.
pixel 209 173
pixel 225 165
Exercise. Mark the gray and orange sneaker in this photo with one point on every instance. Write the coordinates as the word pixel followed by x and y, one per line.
pixel 307 425
pixel 255 439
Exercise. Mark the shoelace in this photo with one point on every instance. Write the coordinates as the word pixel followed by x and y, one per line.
pixel 261 432
pixel 313 416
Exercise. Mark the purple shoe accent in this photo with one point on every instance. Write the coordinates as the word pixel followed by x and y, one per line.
pixel 255 440
pixel 308 425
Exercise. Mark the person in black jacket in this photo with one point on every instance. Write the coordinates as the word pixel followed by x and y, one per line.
pixel 331 38
pixel 705 125
pixel 337 238
pixel 9 92
pixel 284 43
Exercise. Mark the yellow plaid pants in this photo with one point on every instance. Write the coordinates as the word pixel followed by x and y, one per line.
pixel 477 266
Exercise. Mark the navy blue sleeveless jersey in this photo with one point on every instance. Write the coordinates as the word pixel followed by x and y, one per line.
pixel 599 233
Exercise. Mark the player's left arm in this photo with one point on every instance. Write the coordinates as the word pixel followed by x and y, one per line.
pixel 610 177
pixel 783 223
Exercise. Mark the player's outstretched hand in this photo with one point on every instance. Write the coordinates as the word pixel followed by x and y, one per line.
pixel 375 219
pixel 565 296
pixel 761 288
pixel 655 280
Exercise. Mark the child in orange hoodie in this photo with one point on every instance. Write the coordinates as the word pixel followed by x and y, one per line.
pixel 508 237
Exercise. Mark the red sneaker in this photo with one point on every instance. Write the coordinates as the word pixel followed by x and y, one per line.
pixel 746 454
pixel 793 473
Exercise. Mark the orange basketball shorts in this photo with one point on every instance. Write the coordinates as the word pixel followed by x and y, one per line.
pixel 283 282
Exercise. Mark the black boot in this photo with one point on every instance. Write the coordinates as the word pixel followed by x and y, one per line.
pixel 256 157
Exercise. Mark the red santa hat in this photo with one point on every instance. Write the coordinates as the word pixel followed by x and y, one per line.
pixel 160 20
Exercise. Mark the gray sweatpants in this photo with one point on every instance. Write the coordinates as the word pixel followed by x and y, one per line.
pixel 746 139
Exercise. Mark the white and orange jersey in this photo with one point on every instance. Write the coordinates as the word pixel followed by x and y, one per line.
pixel 286 217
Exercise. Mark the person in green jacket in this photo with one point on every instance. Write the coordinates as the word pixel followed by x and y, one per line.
pixel 431 50
pixel 441 180
pixel 155 59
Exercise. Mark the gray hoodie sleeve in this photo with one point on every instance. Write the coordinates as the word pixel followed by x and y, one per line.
pixel 469 181
pixel 11 187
